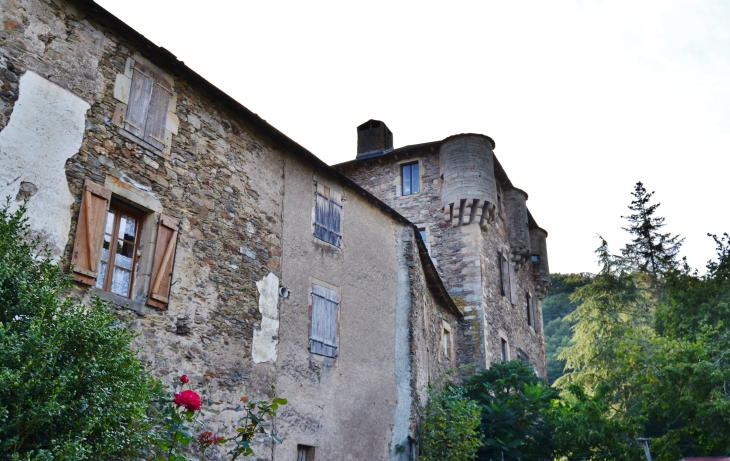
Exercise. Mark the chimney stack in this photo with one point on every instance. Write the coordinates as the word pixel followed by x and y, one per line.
pixel 373 136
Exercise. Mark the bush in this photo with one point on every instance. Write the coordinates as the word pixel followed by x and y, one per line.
pixel 450 426
pixel 71 387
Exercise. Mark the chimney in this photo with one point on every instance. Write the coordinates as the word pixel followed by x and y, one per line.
pixel 373 136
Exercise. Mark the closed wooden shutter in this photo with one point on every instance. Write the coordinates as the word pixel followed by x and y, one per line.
pixel 504 274
pixel 323 332
pixel 154 131
pixel 140 93
pixel 512 284
pixel 167 233
pixel 89 232
pixel 327 215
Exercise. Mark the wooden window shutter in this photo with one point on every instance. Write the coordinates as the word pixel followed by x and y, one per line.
pixel 323 332
pixel 504 274
pixel 327 215
pixel 140 93
pixel 512 284
pixel 335 215
pixel 89 232
pixel 154 131
pixel 167 234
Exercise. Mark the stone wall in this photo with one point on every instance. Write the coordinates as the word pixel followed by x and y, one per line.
pixel 245 207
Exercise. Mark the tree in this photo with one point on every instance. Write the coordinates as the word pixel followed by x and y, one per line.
pixel 71 387
pixel 650 251
pixel 512 400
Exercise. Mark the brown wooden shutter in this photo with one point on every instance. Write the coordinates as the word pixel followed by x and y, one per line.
pixel 89 232
pixel 167 232
pixel 512 284
pixel 154 131
pixel 323 333
pixel 140 93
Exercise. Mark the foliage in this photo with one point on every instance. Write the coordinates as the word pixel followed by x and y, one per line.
pixel 179 418
pixel 614 307
pixel 512 401
pixel 71 387
pixel 555 307
pixel 450 425
pixel 650 251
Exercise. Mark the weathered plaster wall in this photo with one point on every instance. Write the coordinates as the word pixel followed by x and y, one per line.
pixel 344 407
pixel 45 130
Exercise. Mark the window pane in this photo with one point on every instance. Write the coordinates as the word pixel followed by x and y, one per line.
pixel 120 281
pixel 423 234
pixel 414 178
pixel 105 248
pixel 109 222
pixel 406 180
pixel 125 254
pixel 100 276
pixel 127 228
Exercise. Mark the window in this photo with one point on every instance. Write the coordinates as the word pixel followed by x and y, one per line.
pixel 409 176
pixel 327 215
pixel 324 321
pixel 424 237
pixel 447 341
pixel 505 350
pixel 305 453
pixel 508 278
pixel 522 356
pixel 529 309
pixel 119 251
pixel 536 258
pixel 149 97
pixel 107 244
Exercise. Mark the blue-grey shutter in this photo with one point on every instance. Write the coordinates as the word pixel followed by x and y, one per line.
pixel 323 334
pixel 335 216
pixel 327 215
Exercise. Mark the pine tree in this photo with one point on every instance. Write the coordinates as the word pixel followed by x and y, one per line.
pixel 650 251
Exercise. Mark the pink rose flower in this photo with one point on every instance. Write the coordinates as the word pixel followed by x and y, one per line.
pixel 188 399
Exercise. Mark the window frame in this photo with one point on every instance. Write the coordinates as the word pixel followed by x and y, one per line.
pixel 410 165
pixel 446 346
pixel 331 195
pixel 120 208
pixel 307 451
pixel 335 322
pixel 504 348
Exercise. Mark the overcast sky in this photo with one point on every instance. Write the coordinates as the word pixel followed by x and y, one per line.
pixel 583 98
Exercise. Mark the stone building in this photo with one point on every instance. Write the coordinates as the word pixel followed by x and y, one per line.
pixel 487 247
pixel 240 257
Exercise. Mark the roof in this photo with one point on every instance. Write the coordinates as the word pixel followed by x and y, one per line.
pixel 163 57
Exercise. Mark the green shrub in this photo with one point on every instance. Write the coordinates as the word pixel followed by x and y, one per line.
pixel 450 426
pixel 71 387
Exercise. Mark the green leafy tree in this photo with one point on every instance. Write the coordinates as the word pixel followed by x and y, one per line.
pixel 650 251
pixel 71 388
pixel 450 426
pixel 512 400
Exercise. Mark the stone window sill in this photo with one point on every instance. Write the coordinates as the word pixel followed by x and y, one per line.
pixel 122 302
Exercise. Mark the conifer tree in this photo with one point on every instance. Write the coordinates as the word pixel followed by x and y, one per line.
pixel 650 251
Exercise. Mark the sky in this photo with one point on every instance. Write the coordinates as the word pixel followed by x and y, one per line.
pixel 583 98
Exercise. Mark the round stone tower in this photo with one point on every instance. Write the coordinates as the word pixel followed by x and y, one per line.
pixel 515 207
pixel 468 186
pixel 540 267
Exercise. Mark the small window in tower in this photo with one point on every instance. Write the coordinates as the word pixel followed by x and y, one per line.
pixel 536 258
pixel 447 344
pixel 305 453
pixel 410 178
pixel 505 350
pixel 529 309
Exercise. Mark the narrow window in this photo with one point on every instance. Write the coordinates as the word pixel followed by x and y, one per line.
pixel 447 344
pixel 324 317
pixel 529 308
pixel 522 356
pixel 305 453
pixel 409 176
pixel 536 258
pixel 119 251
pixel 504 274
pixel 327 215
pixel 504 350
pixel 424 237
